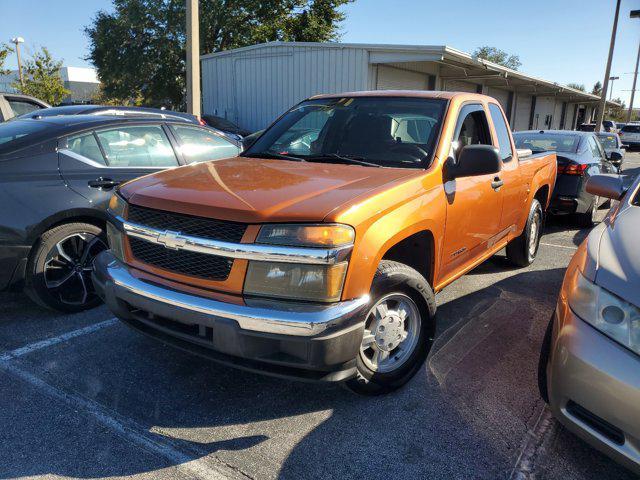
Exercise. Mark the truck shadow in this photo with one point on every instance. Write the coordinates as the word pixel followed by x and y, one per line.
pixel 465 414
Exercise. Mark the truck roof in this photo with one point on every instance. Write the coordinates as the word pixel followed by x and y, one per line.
pixel 404 93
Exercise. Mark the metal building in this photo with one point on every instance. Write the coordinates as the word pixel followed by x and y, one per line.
pixel 252 86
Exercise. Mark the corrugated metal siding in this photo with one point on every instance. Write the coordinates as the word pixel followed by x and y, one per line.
pixel 523 110
pixel 456 86
pixel 501 95
pixel 392 78
pixel 253 88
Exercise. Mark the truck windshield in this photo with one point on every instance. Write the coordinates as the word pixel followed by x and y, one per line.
pixel 542 142
pixel 370 131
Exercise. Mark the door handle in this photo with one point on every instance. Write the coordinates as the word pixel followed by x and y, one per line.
pixel 103 183
pixel 497 183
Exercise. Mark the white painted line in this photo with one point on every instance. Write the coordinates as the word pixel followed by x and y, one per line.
pixel 525 465
pixel 19 352
pixel 557 246
pixel 124 428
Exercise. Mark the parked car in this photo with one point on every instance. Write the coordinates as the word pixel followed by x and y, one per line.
pixel 580 156
pixel 630 135
pixel 316 254
pixel 587 127
pixel 225 125
pixel 250 139
pixel 589 362
pixel 114 111
pixel 609 126
pixel 56 177
pixel 14 105
pixel 611 144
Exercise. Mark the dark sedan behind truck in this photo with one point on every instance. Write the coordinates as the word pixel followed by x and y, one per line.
pixel 580 156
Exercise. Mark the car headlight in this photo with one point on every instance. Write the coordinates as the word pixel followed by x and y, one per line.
pixel 614 317
pixel 117 207
pixel 320 283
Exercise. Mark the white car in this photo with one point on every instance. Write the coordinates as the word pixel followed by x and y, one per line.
pixel 630 135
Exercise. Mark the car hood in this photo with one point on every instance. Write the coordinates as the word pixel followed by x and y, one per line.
pixel 618 262
pixel 258 190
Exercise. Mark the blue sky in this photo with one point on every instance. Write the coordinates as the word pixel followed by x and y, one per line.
pixel 562 40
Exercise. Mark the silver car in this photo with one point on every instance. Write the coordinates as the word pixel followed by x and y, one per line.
pixel 590 361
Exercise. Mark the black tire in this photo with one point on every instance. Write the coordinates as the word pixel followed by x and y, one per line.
pixel 393 278
pixel 520 251
pixel 543 361
pixel 70 295
pixel 586 219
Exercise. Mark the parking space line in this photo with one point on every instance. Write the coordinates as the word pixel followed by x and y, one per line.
pixel 557 246
pixel 19 352
pixel 124 428
pixel 524 468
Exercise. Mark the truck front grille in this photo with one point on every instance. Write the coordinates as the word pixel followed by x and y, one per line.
pixel 208 267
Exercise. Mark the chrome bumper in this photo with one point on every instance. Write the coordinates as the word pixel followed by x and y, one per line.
pixel 115 283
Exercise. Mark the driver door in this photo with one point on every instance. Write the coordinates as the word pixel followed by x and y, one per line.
pixel 474 204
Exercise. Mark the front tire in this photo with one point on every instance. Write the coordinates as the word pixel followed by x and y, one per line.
pixel 399 330
pixel 59 269
pixel 522 251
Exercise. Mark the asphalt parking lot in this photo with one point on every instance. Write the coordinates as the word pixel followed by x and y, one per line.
pixel 83 396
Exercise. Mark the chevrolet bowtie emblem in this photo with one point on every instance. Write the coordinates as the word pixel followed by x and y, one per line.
pixel 172 240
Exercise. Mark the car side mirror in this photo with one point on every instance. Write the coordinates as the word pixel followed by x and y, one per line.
pixel 606 185
pixel 615 157
pixel 475 160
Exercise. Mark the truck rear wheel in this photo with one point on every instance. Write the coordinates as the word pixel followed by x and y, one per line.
pixel 399 330
pixel 522 251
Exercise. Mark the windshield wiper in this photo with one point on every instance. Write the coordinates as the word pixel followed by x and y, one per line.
pixel 343 158
pixel 279 156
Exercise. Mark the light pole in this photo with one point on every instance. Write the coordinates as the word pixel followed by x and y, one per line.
pixel 17 41
pixel 607 73
pixel 634 14
pixel 612 79
pixel 193 58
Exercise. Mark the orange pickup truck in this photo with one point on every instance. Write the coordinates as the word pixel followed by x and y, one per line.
pixel 316 253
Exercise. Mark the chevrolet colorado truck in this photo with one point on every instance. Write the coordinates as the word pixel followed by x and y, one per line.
pixel 316 253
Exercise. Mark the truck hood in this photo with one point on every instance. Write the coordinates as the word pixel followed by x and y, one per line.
pixel 618 266
pixel 254 190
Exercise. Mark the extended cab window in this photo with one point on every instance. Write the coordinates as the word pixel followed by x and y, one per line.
pixel 200 145
pixel 472 128
pixel 504 139
pixel 137 146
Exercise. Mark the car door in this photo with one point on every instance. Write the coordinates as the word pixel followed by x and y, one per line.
pixel 197 144
pixel 94 162
pixel 474 204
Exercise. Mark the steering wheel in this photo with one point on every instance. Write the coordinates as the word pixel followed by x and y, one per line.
pixel 409 149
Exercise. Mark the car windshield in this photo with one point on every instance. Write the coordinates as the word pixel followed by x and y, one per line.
pixel 372 131
pixel 12 131
pixel 542 142
pixel 608 141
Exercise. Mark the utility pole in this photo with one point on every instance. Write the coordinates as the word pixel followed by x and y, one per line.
pixel 634 14
pixel 17 41
pixel 193 58
pixel 607 73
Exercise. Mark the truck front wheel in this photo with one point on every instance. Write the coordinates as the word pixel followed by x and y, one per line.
pixel 522 251
pixel 399 330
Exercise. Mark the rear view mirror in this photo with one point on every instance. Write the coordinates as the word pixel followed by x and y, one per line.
pixel 475 160
pixel 606 185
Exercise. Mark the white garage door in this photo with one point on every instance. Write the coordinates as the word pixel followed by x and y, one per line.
pixel 501 95
pixel 390 78
pixel 523 110
pixel 454 86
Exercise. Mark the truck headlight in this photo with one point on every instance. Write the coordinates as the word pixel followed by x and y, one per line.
pixel 611 315
pixel 320 283
pixel 117 207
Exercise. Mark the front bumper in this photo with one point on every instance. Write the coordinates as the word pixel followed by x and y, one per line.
pixel 301 340
pixel 594 387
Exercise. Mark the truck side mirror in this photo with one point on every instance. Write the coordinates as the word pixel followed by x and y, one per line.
pixel 475 160
pixel 606 185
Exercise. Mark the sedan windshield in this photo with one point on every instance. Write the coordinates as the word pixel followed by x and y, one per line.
pixel 368 131
pixel 542 142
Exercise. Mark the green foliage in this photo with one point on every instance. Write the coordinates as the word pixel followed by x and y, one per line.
pixel 597 89
pixel 139 48
pixel 617 114
pixel 577 86
pixel 42 78
pixel 5 50
pixel 498 56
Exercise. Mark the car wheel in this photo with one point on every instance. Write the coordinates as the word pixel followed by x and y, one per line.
pixel 59 269
pixel 543 361
pixel 585 220
pixel 398 332
pixel 522 251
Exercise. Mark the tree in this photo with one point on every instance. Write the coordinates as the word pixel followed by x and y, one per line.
pixel 139 48
pixel 597 88
pixel 498 56
pixel 5 50
pixel 42 78
pixel 577 86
